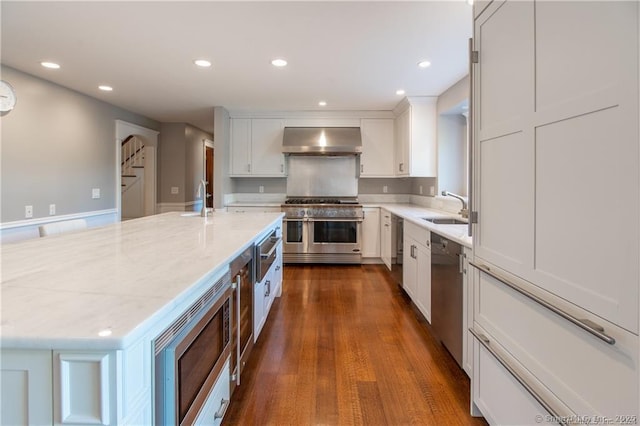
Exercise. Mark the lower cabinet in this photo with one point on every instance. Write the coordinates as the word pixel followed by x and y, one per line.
pixel 265 292
pixel 386 240
pixel 467 311
pixel 416 272
pixel 371 233
pixel 27 387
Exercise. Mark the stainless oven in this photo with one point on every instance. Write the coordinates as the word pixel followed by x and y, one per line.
pixel 322 231
pixel 191 354
pixel 335 236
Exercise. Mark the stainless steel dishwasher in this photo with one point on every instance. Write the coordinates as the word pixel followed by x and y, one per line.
pixel 446 293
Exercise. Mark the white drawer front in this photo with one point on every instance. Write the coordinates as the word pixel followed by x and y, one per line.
pixel 217 401
pixel 421 235
pixel 588 375
pixel 502 400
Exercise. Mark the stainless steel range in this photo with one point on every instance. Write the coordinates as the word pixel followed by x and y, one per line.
pixel 322 230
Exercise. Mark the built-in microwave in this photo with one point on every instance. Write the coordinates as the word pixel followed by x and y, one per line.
pixel 190 354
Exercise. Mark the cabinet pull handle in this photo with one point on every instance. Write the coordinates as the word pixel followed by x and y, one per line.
pixel 401 167
pixel 268 288
pixel 484 341
pixel 361 168
pixel 585 324
pixel 224 404
pixel 281 168
pixel 238 351
pixel 249 168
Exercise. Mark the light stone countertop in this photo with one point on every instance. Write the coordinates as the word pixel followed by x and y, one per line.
pixel 415 213
pixel 131 277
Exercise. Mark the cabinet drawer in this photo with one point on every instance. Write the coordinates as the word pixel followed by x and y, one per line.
pixel 418 233
pixel 588 375
pixel 217 402
pixel 498 394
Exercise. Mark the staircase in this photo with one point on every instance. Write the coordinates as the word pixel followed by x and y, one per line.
pixel 132 177
pixel 132 165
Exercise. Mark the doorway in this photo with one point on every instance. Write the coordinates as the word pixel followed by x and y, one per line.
pixel 208 171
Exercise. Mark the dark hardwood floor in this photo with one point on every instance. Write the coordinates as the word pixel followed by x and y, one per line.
pixel 343 346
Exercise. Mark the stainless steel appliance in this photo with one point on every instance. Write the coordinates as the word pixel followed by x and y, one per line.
pixel 322 230
pixel 190 355
pixel 266 251
pixel 322 140
pixel 446 293
pixel 242 271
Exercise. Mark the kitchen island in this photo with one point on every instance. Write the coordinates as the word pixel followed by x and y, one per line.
pixel 90 303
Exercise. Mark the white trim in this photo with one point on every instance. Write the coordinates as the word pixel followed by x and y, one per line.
pixel 43 220
pixel 311 114
pixel 138 128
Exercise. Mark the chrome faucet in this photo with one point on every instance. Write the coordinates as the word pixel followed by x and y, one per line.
pixel 465 210
pixel 203 184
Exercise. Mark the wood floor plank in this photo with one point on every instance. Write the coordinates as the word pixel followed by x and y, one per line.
pixel 345 346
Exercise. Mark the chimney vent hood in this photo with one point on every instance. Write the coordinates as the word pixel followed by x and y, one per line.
pixel 322 141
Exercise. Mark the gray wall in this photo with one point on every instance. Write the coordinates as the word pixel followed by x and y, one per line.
pixel 57 144
pixel 181 159
pixel 375 185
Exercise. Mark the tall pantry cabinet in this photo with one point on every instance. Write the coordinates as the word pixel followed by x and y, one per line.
pixel 556 187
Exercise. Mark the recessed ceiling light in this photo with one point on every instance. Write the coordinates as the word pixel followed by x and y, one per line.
pixel 105 88
pixel 400 92
pixel 279 62
pixel 202 63
pixel 470 2
pixel 322 103
pixel 105 333
pixel 424 64
pixel 51 65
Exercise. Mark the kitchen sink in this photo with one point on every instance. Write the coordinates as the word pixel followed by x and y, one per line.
pixel 445 220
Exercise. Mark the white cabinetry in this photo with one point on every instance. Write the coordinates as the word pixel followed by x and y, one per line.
pixel 217 402
pixel 377 159
pixel 386 240
pixel 371 233
pixel 265 293
pixel 467 311
pixel 416 144
pixel 536 110
pixel 26 387
pixel 256 147
pixel 416 272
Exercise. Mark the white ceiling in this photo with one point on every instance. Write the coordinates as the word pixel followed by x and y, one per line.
pixel 353 55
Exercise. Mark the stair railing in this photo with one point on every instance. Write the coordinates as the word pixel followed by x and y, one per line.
pixel 132 154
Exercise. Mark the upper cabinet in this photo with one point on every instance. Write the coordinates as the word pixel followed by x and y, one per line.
pixel 377 147
pixel 256 147
pixel 416 144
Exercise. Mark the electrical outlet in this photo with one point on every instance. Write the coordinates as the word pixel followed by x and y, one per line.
pixel 174 190
pixel 52 209
pixel 95 193
pixel 420 189
pixel 385 189
pixel 432 190
pixel 261 189
pixel 28 212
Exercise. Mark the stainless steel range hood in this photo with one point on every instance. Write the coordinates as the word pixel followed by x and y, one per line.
pixel 322 141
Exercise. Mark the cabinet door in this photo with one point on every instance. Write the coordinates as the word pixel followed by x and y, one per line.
pixel 505 151
pixel 378 147
pixel 85 388
pixel 26 384
pixel 371 232
pixel 403 126
pixel 266 147
pixel 423 280
pixel 240 148
pixel 385 237
pixel 410 267
pixel 258 309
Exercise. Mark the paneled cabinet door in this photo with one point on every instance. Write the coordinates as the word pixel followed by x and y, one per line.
pixel 26 388
pixel 240 148
pixel 377 159
pixel 266 147
pixel 385 237
pixel 371 232
pixel 258 308
pixel 423 280
pixel 410 267
pixel 402 131
pixel 544 145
